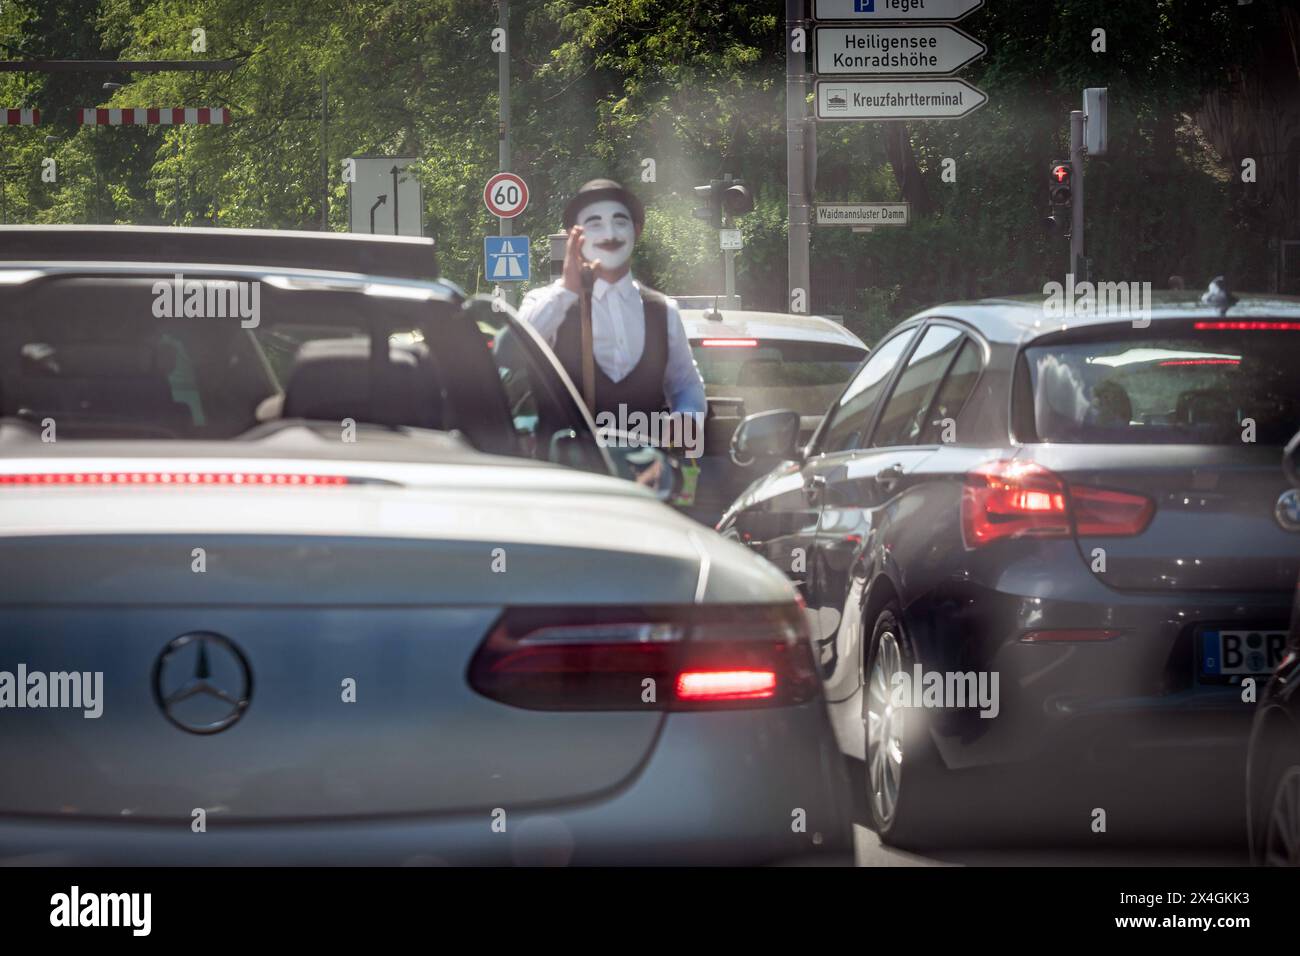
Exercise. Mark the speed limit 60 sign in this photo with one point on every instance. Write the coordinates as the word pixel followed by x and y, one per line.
pixel 506 195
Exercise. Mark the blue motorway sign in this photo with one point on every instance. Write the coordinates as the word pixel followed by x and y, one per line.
pixel 506 258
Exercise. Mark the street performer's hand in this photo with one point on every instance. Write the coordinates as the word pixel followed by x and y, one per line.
pixel 573 261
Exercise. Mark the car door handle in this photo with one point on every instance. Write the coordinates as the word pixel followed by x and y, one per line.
pixel 890 475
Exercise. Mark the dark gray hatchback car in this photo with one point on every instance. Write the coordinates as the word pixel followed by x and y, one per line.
pixel 1028 540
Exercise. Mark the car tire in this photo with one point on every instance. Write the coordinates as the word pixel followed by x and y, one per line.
pixel 1277 834
pixel 903 771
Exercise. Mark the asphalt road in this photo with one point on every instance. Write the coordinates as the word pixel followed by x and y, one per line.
pixel 868 851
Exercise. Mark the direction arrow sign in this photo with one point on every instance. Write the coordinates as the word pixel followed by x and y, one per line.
pixel 864 214
pixel 899 50
pixel 386 198
pixel 862 11
pixel 896 99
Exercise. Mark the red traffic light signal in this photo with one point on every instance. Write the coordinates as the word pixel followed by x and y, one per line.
pixel 1060 184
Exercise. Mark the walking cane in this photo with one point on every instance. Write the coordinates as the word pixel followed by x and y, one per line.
pixel 588 349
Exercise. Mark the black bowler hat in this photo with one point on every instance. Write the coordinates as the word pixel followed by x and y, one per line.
pixel 599 189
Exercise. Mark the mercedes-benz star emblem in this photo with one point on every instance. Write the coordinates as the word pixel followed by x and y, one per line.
pixel 1287 510
pixel 202 682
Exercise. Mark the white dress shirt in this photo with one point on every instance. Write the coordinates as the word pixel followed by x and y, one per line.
pixel 618 335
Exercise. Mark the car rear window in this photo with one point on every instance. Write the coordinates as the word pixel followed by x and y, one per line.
pixel 99 358
pixel 769 373
pixel 108 376
pixel 1194 386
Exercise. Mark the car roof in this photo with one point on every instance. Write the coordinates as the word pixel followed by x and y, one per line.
pixel 1016 319
pixel 395 257
pixel 737 323
pixel 18 274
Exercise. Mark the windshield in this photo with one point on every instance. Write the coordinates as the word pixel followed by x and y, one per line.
pixel 1206 388
pixel 769 374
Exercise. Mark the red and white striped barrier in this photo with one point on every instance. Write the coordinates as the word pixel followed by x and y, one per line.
pixel 180 116
pixel 20 117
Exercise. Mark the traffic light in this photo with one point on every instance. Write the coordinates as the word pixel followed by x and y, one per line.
pixel 1061 184
pixel 711 196
pixel 727 196
pixel 736 199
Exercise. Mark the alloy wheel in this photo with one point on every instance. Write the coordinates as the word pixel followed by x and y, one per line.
pixel 884 730
pixel 1282 842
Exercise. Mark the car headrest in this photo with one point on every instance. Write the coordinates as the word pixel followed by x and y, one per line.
pixel 331 380
pixel 97 359
pixel 1111 405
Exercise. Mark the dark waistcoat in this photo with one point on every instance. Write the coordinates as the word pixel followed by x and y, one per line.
pixel 642 389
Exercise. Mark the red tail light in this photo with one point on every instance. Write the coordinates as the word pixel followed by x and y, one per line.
pixel 1101 512
pixel 726 685
pixel 1234 326
pixel 1022 499
pixel 173 478
pixel 1012 499
pixel 647 658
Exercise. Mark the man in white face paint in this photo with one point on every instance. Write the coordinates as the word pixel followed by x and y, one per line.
pixel 643 361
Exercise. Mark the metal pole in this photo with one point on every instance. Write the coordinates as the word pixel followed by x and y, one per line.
pixel 503 100
pixel 1078 265
pixel 324 157
pixel 729 261
pixel 796 154
pixel 176 182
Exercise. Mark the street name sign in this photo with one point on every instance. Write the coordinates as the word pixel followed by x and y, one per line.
pixel 896 99
pixel 873 10
pixel 933 48
pixel 864 214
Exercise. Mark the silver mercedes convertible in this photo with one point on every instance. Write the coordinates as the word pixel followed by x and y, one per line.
pixel 308 557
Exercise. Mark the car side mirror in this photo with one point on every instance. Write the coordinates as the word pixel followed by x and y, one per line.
pixel 646 465
pixel 771 435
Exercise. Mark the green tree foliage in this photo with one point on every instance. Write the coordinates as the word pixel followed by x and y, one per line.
pixel 601 86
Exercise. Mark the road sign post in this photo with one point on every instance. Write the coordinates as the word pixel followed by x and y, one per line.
pixel 872 64
pixel 797 158
pixel 506 227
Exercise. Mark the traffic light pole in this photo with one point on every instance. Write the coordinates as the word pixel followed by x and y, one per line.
pixel 796 153
pixel 729 276
pixel 1078 264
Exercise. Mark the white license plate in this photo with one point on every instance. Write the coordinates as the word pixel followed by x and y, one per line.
pixel 1254 653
